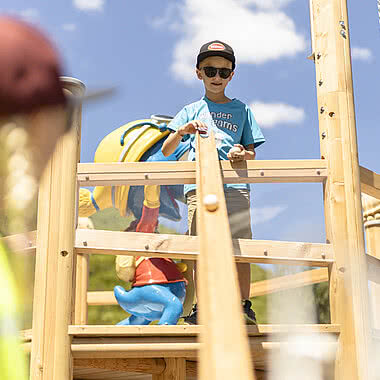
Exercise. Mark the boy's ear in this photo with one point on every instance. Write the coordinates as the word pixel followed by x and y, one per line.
pixel 199 74
pixel 232 74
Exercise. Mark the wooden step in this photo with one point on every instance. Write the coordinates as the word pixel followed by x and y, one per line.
pixel 135 352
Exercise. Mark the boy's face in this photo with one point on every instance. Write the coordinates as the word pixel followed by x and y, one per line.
pixel 216 84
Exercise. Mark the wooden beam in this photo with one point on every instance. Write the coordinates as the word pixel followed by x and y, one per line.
pixel 101 298
pixel 102 331
pixel 371 219
pixel 134 243
pixel 370 182
pixel 143 365
pixel 373 268
pixel 53 291
pixel 223 350
pixel 24 243
pixel 172 173
pixel 277 284
pixel 175 369
pixel 348 282
pixel 157 347
pixel 81 287
pixel 186 247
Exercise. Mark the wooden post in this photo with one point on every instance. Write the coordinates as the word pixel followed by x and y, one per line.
pixel 175 370
pixel 224 352
pixel 52 308
pixel 348 283
pixel 371 217
pixel 82 277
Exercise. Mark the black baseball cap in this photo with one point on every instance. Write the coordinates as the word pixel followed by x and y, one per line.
pixel 216 48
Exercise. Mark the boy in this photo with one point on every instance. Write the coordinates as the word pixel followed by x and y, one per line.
pixel 237 135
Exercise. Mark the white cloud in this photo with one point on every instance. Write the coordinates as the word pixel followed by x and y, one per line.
pixel 69 27
pixel 268 4
pixel 89 5
pixel 257 35
pixel 268 115
pixel 265 214
pixel 361 54
pixel 30 14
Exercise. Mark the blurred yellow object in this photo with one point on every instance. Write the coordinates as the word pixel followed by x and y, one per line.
pixel 12 358
pixel 138 136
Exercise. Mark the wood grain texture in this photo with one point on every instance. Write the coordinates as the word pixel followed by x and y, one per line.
pixel 222 350
pixel 371 218
pixel 81 288
pixel 144 365
pixel 175 369
pixel 370 182
pixel 53 295
pixel 348 280
pixel 101 331
pixel 172 173
pixel 187 247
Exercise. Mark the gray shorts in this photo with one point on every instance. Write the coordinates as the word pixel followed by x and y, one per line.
pixel 238 212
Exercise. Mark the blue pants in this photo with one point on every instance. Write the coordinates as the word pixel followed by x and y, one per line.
pixel 163 302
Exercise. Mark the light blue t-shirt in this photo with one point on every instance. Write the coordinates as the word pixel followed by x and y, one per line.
pixel 232 123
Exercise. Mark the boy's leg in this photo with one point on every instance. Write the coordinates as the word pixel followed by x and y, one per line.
pixel 191 201
pixel 238 207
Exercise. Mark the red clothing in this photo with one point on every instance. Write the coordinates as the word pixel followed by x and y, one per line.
pixel 157 271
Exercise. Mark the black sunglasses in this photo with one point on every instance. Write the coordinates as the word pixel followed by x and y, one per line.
pixel 210 72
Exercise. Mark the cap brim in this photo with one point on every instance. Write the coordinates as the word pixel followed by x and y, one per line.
pixel 214 53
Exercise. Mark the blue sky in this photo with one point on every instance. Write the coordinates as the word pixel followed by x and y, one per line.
pixel 147 50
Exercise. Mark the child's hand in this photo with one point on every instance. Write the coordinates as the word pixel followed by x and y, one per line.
pixel 192 127
pixel 236 153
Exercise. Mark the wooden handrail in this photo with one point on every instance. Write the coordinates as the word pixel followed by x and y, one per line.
pixel 370 182
pixel 172 173
pixel 223 350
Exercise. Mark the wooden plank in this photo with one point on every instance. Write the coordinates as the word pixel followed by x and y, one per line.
pixel 373 268
pixel 101 298
pixel 370 182
pixel 82 278
pixel 371 218
pixel 260 349
pixel 144 365
pixel 223 350
pixel 175 370
pixel 309 277
pixel 171 173
pixel 348 282
pixel 245 250
pixel 51 355
pixel 22 243
pixel 271 252
pixel 194 330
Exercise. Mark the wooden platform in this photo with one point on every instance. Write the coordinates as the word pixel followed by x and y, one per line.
pixel 114 352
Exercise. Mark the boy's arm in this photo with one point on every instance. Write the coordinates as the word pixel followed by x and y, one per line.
pixel 241 153
pixel 171 143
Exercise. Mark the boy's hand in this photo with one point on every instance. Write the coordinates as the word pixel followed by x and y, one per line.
pixel 192 127
pixel 236 153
